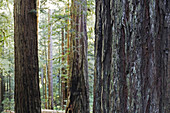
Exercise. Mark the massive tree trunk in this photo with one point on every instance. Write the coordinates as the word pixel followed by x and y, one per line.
pixel 78 99
pixel 141 58
pixel 27 92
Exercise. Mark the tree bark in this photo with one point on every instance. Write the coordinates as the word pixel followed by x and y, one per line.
pixel 78 99
pixel 161 55
pixel 50 62
pixel 98 59
pixel 140 77
pixel 103 54
pixel 27 92
pixel 145 57
pixel 167 57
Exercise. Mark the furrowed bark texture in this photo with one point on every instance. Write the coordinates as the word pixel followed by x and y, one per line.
pixel 140 78
pixel 145 57
pixel 103 55
pixel 98 59
pixel 166 50
pixel 78 89
pixel 27 93
pixel 162 27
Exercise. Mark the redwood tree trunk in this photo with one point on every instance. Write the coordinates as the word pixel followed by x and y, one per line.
pixel 78 98
pixel 140 80
pixel 27 92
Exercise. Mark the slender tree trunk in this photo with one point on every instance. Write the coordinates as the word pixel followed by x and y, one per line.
pixel 45 77
pixel 26 58
pixel 63 80
pixel 50 73
pixel 59 76
pixel 45 74
pixel 2 84
pixel 68 47
pixel 42 82
pixel 1 91
pixel 9 91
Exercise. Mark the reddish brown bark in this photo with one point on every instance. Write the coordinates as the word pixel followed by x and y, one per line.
pixel 78 99
pixel 27 93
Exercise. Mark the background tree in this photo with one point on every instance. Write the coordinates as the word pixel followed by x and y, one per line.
pixel 50 59
pixel 78 97
pixel 26 57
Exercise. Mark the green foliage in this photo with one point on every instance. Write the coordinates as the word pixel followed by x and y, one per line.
pixel 7 52
pixel 8 104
